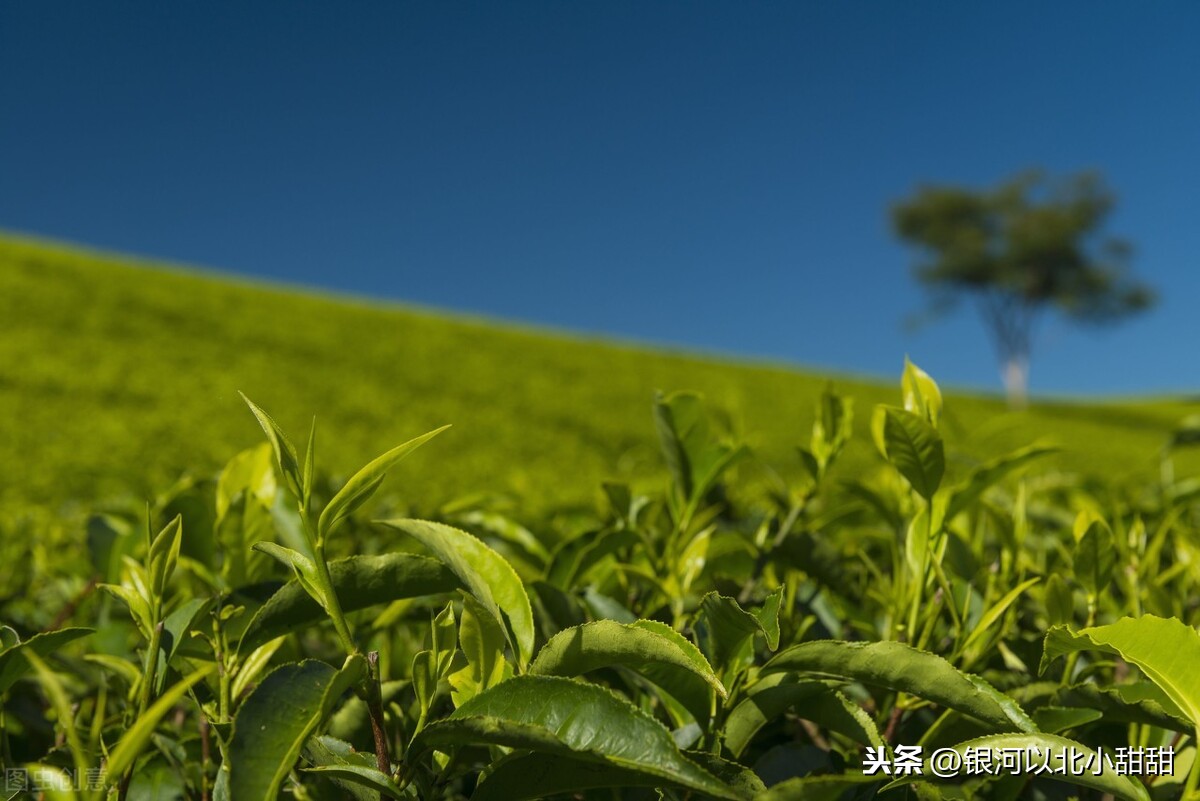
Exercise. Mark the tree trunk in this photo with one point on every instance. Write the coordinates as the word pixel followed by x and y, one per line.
pixel 1016 381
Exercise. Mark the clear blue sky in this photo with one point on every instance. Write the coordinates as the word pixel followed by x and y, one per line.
pixel 713 176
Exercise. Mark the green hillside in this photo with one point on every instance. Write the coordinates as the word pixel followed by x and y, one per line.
pixel 116 374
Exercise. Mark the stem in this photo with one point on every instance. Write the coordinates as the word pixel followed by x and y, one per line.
pixel 421 720
pixel 226 668
pixel 145 693
pixel 1073 657
pixel 148 676
pixel 1189 789
pixel 369 688
pixel 383 759
pixel 205 757
pixel 96 731
pixel 923 574
pixel 225 690
pixel 5 749
pixel 332 606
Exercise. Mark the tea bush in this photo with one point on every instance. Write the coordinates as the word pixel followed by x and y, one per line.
pixel 260 635
pixel 119 375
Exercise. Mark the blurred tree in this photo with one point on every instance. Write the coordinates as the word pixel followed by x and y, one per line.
pixel 1028 246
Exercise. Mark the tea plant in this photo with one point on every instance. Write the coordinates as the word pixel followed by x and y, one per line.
pixel 123 373
pixel 694 643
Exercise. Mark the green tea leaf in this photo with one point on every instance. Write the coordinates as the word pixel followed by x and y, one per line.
pixel 484 573
pixel 303 569
pixel 254 664
pixel 117 666
pixel 811 464
pixel 139 609
pixel 361 775
pixel 285 452
pixel 310 461
pixel 731 629
pixel 1095 552
pixel 606 643
pixel 914 448
pixel 812 700
pixel 694 456
pixel 1126 703
pixel 130 746
pixel 1058 600
pixel 1165 649
pixel 360 582
pixel 363 484
pixel 424 679
pixel 481 639
pixel 507 529
pixel 1056 719
pixel 768 617
pixel 323 751
pixel 443 638
pixel 57 696
pixel 301 565
pixel 164 553
pixel 831 430
pixel 921 394
pixel 902 668
pixel 571 562
pixel 278 717
pixel 14 665
pixel 566 718
pixel 248 474
pixel 995 612
pixel 176 628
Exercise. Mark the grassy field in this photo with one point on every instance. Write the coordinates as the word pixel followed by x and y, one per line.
pixel 117 374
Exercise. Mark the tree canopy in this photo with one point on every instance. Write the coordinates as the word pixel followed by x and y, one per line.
pixel 1027 246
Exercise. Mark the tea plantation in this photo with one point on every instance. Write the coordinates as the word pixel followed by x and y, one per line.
pixel 751 585
pixel 118 376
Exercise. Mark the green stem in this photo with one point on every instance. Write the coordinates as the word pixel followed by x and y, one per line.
pixel 919 589
pixel 5 749
pixel 421 719
pixel 1193 779
pixel 205 757
pixel 225 689
pixel 369 687
pixel 96 730
pixel 325 582
pixel 1073 657
pixel 332 606
pixel 147 689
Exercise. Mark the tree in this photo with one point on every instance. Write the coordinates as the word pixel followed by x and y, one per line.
pixel 1027 247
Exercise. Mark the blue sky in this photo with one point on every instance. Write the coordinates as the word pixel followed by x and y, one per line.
pixel 711 176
